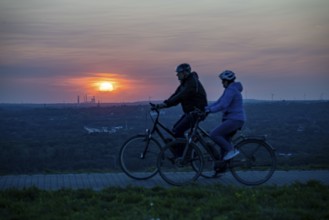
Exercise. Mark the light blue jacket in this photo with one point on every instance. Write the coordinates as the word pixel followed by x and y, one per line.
pixel 230 103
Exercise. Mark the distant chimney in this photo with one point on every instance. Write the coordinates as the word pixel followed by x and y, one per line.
pixel 93 100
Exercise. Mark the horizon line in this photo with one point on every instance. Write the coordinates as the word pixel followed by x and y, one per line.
pixel 148 101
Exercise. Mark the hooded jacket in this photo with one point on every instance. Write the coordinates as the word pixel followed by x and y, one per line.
pixel 230 103
pixel 190 93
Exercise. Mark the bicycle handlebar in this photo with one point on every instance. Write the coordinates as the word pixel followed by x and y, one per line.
pixel 201 115
pixel 154 107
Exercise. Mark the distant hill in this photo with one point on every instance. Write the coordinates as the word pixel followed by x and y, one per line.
pixel 38 138
pixel 83 105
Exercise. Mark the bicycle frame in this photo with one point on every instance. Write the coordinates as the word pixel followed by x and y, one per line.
pixel 138 154
pixel 196 134
pixel 201 133
pixel 155 128
pixel 255 153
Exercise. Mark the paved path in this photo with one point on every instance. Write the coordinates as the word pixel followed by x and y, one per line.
pixel 99 181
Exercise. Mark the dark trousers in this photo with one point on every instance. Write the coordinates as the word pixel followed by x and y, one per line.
pixel 181 126
pixel 222 135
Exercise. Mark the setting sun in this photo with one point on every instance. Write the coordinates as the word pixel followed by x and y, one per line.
pixel 105 86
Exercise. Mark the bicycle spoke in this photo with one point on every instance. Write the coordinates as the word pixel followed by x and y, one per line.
pixel 179 171
pixel 255 164
pixel 208 166
pixel 138 157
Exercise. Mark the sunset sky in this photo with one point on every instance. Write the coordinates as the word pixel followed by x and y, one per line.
pixel 53 51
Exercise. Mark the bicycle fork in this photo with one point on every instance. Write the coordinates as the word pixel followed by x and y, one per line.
pixel 148 136
pixel 187 154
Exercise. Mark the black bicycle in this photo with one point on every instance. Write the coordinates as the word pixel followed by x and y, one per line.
pixel 254 165
pixel 138 155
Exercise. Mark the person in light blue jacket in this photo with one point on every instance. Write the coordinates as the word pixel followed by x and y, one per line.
pixel 231 104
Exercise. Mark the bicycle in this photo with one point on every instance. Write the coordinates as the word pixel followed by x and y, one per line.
pixel 138 155
pixel 200 157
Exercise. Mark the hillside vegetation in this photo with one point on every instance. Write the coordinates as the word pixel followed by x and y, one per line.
pixel 51 138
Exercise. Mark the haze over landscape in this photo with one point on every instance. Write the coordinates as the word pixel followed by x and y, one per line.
pixel 125 51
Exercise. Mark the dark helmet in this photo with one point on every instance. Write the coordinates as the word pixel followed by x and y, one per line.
pixel 227 75
pixel 184 67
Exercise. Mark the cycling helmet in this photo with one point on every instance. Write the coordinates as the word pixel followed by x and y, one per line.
pixel 227 75
pixel 184 67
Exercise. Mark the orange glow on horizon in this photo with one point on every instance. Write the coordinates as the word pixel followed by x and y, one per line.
pixel 105 83
pixel 105 86
pixel 109 87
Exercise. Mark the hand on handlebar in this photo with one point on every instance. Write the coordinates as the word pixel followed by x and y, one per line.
pixel 161 105
pixel 201 114
pixel 158 106
pixel 207 110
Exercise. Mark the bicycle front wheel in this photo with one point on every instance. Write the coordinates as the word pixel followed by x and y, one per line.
pixel 255 164
pixel 138 157
pixel 180 171
pixel 208 164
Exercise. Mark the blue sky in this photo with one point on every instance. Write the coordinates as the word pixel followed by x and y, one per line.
pixel 53 51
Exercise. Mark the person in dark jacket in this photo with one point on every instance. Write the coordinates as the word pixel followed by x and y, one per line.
pixel 233 118
pixel 190 94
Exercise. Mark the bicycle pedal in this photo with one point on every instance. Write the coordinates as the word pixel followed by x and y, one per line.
pixel 218 174
pixel 172 159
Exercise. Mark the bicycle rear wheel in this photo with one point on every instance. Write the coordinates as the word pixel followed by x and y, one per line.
pixel 138 157
pixel 208 165
pixel 180 171
pixel 255 164
pixel 211 156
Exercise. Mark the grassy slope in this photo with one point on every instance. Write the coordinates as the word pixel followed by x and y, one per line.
pixel 298 201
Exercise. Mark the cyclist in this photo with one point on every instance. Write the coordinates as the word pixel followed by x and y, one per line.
pixel 233 118
pixel 190 94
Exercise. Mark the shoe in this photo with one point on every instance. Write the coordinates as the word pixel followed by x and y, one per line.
pixel 220 168
pixel 231 154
